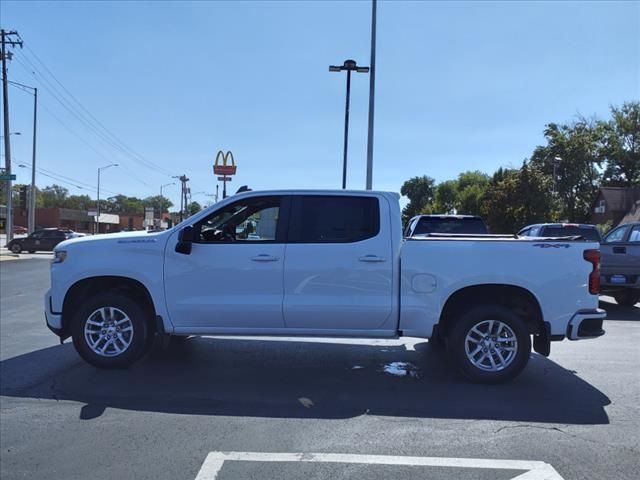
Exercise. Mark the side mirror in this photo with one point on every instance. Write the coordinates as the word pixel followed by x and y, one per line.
pixel 185 238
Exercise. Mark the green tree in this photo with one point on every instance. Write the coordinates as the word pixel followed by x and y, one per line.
pixel 193 208
pixel 499 200
pixel 79 202
pixel 420 192
pixel 578 177
pixel 124 204
pixel 621 146
pixel 515 198
pixel 446 197
pixel 159 203
pixel 471 190
pixel 53 196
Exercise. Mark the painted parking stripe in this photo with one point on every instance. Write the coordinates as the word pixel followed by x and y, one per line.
pixel 535 470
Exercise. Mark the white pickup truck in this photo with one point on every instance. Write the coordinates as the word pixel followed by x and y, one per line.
pixel 323 263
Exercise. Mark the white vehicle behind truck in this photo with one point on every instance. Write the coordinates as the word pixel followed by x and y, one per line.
pixel 329 264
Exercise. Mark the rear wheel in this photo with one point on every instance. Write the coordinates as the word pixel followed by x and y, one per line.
pixel 628 298
pixel 490 344
pixel 110 330
pixel 16 248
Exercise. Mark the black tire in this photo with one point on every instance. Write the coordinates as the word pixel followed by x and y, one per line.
pixel 627 298
pixel 457 344
pixel 437 343
pixel 139 321
pixel 16 248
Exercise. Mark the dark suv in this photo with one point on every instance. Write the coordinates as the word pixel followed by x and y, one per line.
pixel 584 230
pixel 45 239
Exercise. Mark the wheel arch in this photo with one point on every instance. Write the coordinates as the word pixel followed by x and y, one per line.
pixel 88 287
pixel 516 298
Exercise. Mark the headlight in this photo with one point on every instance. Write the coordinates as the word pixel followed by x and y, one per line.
pixel 59 256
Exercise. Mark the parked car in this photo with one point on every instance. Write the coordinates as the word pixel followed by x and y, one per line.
pixel 445 223
pixel 547 230
pixel 44 239
pixel 325 263
pixel 18 230
pixel 620 270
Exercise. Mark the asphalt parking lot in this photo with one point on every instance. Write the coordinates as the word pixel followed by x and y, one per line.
pixel 301 408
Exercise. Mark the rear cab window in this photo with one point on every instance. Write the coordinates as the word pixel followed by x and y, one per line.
pixel 450 225
pixel 333 219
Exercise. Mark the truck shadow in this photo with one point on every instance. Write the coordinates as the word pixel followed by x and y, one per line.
pixel 301 379
pixel 618 312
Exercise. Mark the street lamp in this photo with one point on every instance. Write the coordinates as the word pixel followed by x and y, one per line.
pixel 161 197
pixel 348 66
pixel 98 209
pixel 12 133
pixel 32 197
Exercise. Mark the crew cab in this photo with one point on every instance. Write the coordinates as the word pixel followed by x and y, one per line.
pixel 323 263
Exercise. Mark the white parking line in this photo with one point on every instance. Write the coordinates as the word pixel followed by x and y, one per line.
pixel 535 470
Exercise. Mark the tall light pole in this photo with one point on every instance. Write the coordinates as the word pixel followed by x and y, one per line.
pixel 98 208
pixel 165 185
pixel 556 161
pixel 372 94
pixel 32 192
pixel 348 66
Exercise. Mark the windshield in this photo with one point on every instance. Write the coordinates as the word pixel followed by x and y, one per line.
pixel 450 225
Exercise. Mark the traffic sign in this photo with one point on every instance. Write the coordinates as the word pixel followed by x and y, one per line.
pixel 8 177
pixel 224 179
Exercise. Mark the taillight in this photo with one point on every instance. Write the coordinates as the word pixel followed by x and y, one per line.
pixel 593 256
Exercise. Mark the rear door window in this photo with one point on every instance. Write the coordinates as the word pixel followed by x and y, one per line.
pixel 634 236
pixel 333 219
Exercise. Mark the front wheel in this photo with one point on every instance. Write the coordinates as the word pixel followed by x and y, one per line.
pixel 490 344
pixel 110 330
pixel 16 248
pixel 627 298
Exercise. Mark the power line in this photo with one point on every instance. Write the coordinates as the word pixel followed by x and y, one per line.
pixel 88 119
pixel 65 179
pixel 93 148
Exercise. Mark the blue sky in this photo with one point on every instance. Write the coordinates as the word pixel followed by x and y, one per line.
pixel 460 86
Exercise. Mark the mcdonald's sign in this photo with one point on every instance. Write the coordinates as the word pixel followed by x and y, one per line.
pixel 222 166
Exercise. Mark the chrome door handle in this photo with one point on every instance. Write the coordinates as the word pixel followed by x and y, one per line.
pixel 263 257
pixel 372 259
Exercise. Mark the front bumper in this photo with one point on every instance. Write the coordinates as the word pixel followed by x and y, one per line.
pixel 586 324
pixel 54 319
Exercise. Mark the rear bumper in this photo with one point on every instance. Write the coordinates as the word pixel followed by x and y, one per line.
pixel 586 324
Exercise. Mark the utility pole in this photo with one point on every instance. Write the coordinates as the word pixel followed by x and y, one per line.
pixel 8 38
pixel 372 94
pixel 183 195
